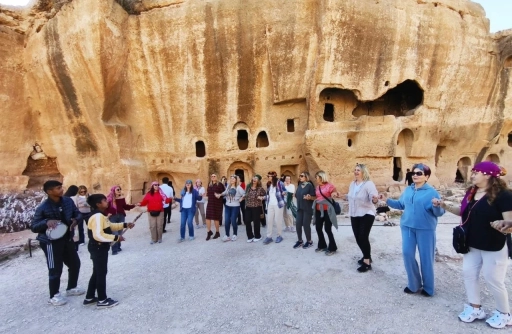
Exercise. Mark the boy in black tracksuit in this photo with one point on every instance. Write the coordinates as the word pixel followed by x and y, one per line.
pixel 58 209
pixel 99 230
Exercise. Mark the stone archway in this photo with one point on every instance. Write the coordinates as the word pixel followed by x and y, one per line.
pixel 463 167
pixel 239 167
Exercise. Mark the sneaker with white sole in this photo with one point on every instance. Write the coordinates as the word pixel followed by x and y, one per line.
pixel 107 303
pixel 250 240
pixel 499 320
pixel 256 239
pixel 226 238
pixel 91 301
pixel 57 300
pixel 233 238
pixel 471 314
pixel 75 292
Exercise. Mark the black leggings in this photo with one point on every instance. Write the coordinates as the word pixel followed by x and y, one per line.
pixel 361 226
pixel 303 220
pixel 320 221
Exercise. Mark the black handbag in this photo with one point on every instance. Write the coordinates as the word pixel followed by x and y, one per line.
pixel 460 239
pixel 154 213
pixel 336 205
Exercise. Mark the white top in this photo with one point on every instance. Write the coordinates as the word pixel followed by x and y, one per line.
pixel 272 199
pixel 290 188
pixel 168 192
pixel 186 201
pixel 360 199
pixel 201 192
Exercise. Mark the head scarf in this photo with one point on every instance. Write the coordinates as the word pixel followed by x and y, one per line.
pixel 486 168
pixel 159 190
pixel 111 197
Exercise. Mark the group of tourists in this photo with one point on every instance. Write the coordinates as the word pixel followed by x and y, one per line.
pixel 488 200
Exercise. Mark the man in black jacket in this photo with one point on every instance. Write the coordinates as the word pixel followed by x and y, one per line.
pixel 57 208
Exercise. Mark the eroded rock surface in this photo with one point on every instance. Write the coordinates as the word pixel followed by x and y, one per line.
pixel 129 91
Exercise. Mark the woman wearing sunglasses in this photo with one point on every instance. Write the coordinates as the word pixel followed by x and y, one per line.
pixel 487 201
pixel 304 210
pixel 155 199
pixel 116 208
pixel 418 225
pixel 84 208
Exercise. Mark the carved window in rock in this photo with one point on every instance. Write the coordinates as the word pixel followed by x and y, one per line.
pixel 509 140
pixel 200 149
pixel 242 139
pixel 262 139
pixel 508 62
pixel 329 112
pixel 290 125
pixel 494 158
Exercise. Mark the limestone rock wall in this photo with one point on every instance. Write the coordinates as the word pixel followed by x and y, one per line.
pixel 130 91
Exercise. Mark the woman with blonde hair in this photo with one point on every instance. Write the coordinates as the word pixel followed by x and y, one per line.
pixel 325 214
pixel 362 197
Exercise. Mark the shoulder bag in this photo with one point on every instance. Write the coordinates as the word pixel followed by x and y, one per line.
pixel 336 205
pixel 460 239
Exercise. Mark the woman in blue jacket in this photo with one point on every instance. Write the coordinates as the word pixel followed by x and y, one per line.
pixel 418 224
pixel 188 200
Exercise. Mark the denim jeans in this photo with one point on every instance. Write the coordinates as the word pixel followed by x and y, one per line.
pixel 231 216
pixel 187 215
pixel 117 219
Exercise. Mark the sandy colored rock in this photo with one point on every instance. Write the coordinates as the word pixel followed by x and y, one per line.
pixel 130 91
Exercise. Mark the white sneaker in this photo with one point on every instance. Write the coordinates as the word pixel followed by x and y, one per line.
pixel 499 320
pixel 256 239
pixel 75 292
pixel 233 238
pixel 471 314
pixel 57 300
pixel 250 240
pixel 226 238
pixel 292 229
pixel 287 229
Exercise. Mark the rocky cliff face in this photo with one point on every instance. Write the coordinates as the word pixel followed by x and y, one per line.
pixel 130 91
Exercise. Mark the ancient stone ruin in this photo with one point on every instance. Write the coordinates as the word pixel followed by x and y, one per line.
pixel 129 91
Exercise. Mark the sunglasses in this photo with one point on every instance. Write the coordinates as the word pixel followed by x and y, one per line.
pixel 118 189
pixel 417 173
pixel 302 175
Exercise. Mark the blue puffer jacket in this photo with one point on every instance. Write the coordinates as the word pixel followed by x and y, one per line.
pixel 419 213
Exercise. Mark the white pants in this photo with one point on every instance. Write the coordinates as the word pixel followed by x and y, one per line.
pixel 274 215
pixel 288 217
pixel 494 269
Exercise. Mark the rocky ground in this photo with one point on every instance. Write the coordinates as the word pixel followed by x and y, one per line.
pixel 235 287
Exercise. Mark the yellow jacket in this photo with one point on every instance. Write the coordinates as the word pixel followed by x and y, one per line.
pixel 101 228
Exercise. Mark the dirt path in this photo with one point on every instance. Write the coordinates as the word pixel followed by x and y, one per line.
pixel 235 287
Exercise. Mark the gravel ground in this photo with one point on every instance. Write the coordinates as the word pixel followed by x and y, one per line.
pixel 235 287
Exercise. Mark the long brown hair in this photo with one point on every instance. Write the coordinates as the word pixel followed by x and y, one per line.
pixel 495 186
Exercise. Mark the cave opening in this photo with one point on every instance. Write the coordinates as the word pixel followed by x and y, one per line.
pixel 200 149
pixel 397 169
pixel 290 125
pixel 262 139
pixel 399 101
pixel 242 139
pixel 329 112
pixel 41 170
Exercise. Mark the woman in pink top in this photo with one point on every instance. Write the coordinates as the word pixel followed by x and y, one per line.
pixel 324 213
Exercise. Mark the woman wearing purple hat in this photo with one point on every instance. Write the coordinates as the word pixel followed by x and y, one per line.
pixel 488 200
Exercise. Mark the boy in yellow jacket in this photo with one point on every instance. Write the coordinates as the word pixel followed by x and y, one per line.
pixel 99 230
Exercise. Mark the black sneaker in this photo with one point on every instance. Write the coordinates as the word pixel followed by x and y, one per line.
pixel 109 302
pixel 298 244
pixel 90 301
pixel 361 261
pixel 364 268
pixel 308 245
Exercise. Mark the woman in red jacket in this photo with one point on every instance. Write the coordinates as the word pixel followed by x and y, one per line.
pixel 155 199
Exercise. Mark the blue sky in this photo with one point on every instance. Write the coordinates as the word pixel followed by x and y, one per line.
pixel 498 11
